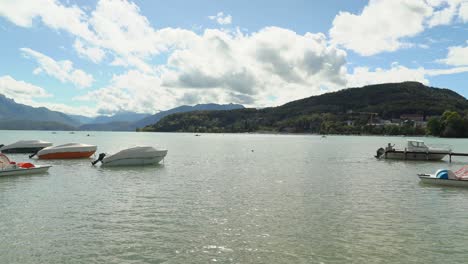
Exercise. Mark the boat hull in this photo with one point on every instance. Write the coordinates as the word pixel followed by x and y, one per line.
pixel 134 161
pixel 21 171
pixel 414 156
pixel 22 150
pixel 67 155
pixel 135 156
pixel 443 182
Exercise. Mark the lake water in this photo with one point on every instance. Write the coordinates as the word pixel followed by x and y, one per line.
pixel 233 198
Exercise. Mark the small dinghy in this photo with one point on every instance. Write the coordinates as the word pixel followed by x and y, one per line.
pixel 445 177
pixel 67 151
pixel 25 146
pixel 9 168
pixel 132 157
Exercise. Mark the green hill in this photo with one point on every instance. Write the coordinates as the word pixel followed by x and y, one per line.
pixel 325 113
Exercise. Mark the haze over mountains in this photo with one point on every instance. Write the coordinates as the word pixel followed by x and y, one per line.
pixel 19 116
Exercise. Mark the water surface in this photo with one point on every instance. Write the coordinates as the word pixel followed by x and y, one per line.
pixel 233 198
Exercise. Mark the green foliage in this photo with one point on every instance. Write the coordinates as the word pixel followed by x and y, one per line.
pixel 434 127
pixel 453 125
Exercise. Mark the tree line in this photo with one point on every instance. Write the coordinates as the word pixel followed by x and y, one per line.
pixel 450 124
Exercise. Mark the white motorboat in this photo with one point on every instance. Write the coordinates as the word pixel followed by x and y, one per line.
pixel 25 146
pixel 415 150
pixel 67 151
pixel 446 177
pixel 8 168
pixel 132 157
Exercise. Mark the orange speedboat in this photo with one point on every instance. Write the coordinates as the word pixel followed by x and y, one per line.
pixel 67 151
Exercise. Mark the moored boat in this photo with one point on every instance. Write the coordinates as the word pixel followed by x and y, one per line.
pixel 67 151
pixel 446 177
pixel 8 168
pixel 415 150
pixel 25 146
pixel 134 156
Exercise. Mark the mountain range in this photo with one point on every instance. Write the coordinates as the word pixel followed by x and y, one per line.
pixel 14 116
pixel 322 113
pixel 23 116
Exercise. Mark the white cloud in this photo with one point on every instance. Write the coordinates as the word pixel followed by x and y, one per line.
pixel 119 28
pixel 231 67
pixel 115 26
pixel 273 60
pixel 93 53
pixel 21 91
pixel 67 109
pixel 51 12
pixel 396 73
pixel 221 18
pixel 132 91
pixel 62 70
pixel 457 56
pixel 364 76
pixel 26 93
pixel 380 27
pixel 437 72
pixel 463 12
pixel 385 26
pixel 445 14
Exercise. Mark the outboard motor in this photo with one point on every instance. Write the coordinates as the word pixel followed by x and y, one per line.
pixel 380 152
pixel 34 154
pixel 100 158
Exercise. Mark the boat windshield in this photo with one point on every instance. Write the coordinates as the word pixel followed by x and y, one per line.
pixel 4 161
pixel 416 144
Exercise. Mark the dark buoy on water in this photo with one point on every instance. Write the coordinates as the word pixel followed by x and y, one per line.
pixel 100 158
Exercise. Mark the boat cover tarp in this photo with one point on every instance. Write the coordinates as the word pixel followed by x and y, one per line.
pixel 461 174
pixel 25 165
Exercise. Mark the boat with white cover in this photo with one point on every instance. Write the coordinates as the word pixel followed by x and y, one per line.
pixel 25 146
pixel 134 156
pixel 8 168
pixel 415 150
pixel 67 151
pixel 446 177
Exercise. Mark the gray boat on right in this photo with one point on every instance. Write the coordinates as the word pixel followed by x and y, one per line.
pixel 415 150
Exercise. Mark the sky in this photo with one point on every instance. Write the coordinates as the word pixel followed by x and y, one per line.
pixel 93 57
